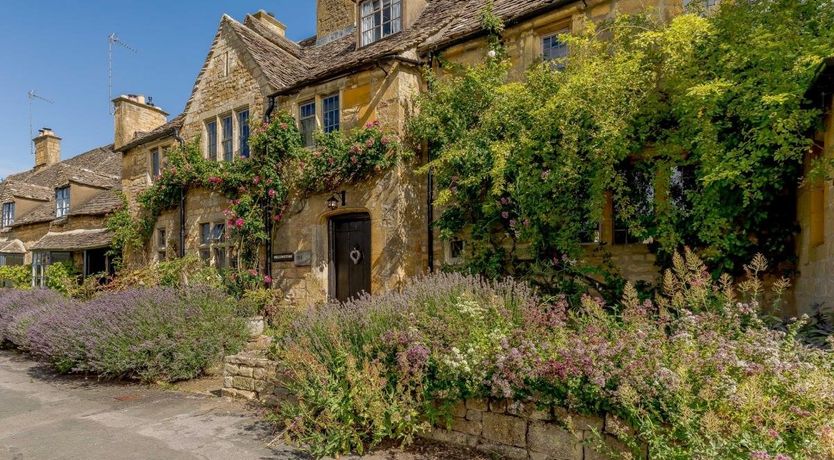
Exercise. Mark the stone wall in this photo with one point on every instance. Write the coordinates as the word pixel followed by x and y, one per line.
pixel 815 241
pixel 517 431
pixel 334 17
pixel 249 375
pixel 501 427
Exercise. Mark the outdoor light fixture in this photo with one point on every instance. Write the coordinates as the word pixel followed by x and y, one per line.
pixel 334 201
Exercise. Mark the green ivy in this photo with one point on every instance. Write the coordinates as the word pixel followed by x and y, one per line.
pixel 708 111
pixel 280 168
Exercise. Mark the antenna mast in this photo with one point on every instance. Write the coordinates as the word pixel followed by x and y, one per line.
pixel 113 39
pixel 32 95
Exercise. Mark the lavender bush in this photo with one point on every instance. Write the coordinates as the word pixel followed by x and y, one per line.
pixel 154 334
pixel 695 372
pixel 18 311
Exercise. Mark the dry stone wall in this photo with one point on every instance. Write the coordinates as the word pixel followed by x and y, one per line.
pixel 501 427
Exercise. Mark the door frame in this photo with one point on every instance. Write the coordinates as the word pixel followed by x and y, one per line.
pixel 331 245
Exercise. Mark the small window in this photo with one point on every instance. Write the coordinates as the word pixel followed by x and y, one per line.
pixel 243 129
pixel 161 243
pixel 553 48
pixel 211 136
pixel 156 164
pixel 380 18
pixel 62 202
pixel 205 233
pixel 307 122
pixel 228 153
pixel 454 249
pixel 8 215
pixel 331 113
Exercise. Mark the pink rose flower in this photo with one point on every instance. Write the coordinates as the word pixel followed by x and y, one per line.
pixel 267 280
pixel 239 222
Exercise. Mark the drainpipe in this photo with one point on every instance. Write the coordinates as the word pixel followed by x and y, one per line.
pixel 430 199
pixel 268 212
pixel 183 194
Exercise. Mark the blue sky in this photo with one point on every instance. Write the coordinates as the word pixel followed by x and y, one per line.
pixel 59 49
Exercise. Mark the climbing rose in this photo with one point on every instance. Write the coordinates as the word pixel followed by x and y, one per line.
pixel 267 280
pixel 272 193
pixel 239 222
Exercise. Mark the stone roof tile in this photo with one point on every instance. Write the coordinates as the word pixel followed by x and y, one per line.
pixel 74 240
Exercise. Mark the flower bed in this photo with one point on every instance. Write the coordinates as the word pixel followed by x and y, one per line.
pixel 154 334
pixel 695 372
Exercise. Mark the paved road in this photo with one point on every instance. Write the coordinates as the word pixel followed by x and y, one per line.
pixel 48 417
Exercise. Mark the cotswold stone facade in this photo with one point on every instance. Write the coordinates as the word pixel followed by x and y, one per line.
pixel 815 209
pixel 378 233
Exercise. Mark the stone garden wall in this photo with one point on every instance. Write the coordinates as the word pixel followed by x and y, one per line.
pixel 505 428
pixel 522 431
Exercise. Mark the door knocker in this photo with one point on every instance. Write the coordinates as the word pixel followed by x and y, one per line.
pixel 355 255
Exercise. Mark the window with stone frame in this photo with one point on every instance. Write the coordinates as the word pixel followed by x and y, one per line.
pixel 161 244
pixel 156 163
pixel 211 139
pixel 205 243
pixel 214 248
pixel 307 122
pixel 554 49
pixel 331 113
pixel 8 215
pixel 243 132
pixel 454 251
pixel 379 19
pixel 227 122
pixel 62 202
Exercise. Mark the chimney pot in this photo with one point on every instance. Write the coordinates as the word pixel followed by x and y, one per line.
pixel 270 22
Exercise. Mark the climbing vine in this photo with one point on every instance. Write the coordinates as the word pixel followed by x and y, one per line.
pixel 279 169
pixel 695 128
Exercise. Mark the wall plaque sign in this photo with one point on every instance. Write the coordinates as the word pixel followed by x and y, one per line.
pixel 283 257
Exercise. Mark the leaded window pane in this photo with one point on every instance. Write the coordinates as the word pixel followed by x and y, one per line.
pixel 331 113
pixel 307 122
pixel 228 152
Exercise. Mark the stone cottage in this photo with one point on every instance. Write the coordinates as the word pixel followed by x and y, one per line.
pixel 55 212
pixel 363 65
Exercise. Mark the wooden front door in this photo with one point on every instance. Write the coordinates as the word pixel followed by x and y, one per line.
pixel 350 256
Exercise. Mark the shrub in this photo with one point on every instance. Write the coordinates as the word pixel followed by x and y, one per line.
pixel 16 276
pixel 154 334
pixel 696 372
pixel 19 309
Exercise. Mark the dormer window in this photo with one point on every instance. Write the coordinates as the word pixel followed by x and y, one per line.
pixel 380 18
pixel 62 202
pixel 8 215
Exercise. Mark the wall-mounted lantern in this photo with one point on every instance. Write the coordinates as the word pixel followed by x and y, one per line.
pixel 336 200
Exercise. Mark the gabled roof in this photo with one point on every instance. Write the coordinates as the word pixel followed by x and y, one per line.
pixel 97 168
pixel 12 247
pixel 11 189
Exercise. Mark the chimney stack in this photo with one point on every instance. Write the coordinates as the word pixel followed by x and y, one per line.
pixel 134 115
pixel 47 148
pixel 334 19
pixel 268 20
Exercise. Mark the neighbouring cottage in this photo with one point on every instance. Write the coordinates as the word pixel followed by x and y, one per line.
pixel 56 211
pixel 364 65
pixel 815 207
